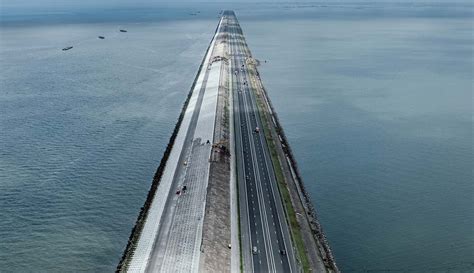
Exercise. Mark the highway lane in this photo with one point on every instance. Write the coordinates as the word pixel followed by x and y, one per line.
pixel 274 242
pixel 250 232
pixel 265 221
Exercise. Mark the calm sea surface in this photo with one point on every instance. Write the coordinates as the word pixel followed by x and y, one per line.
pixel 376 100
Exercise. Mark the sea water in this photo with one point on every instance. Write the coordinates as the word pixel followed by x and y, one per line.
pixel 375 98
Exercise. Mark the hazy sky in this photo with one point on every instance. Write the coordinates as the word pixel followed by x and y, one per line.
pixel 49 3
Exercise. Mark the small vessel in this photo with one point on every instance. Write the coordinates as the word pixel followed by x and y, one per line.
pixel 123 30
pixel 101 37
pixel 67 48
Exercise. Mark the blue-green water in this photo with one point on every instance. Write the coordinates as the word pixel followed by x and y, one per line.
pixel 376 100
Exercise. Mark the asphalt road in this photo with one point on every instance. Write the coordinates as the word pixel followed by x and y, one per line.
pixel 263 224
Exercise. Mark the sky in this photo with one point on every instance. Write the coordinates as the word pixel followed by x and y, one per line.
pixel 111 3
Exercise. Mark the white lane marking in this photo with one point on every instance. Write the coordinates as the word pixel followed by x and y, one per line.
pixel 268 244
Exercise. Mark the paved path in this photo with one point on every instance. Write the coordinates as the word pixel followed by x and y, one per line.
pixel 171 237
pixel 179 238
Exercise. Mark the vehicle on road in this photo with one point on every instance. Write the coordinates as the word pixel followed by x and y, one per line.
pixel 254 250
pixel 257 130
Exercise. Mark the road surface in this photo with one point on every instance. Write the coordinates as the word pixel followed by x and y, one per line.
pixel 266 243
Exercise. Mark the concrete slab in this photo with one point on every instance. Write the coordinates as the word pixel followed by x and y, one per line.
pixel 141 255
